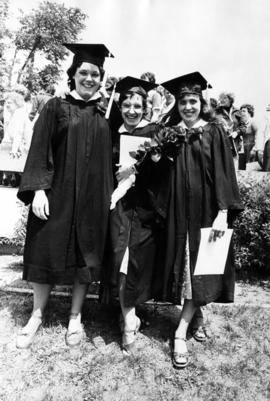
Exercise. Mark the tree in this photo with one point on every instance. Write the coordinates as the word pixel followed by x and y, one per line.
pixel 43 31
pixel 4 34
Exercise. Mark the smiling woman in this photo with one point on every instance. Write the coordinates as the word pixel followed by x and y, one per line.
pixel 136 221
pixel 70 156
pixel 204 193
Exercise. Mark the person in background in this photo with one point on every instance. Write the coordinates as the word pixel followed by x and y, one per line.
pixel 228 116
pixel 167 103
pixel 39 102
pixel 2 101
pixel 136 221
pixel 154 99
pixel 204 193
pixel 68 182
pixel 248 129
pixel 17 133
pixel 262 142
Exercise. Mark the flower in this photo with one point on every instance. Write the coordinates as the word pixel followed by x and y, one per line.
pixel 167 142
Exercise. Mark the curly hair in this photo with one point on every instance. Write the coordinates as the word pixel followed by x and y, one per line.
pixel 229 95
pixel 72 70
pixel 137 90
pixel 16 98
pixel 149 76
pixel 249 108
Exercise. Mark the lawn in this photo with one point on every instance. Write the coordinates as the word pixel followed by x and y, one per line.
pixel 234 364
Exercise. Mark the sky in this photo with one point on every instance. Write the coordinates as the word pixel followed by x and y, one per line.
pixel 228 41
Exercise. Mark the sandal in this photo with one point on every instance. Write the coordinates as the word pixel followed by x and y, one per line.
pixel 25 337
pixel 180 359
pixel 199 333
pixel 129 337
pixel 74 338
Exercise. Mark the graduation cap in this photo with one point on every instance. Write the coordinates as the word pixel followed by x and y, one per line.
pixel 189 84
pixel 127 83
pixel 91 53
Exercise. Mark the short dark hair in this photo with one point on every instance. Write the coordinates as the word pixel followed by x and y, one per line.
pixel 131 92
pixel 249 108
pixel 213 102
pixel 72 70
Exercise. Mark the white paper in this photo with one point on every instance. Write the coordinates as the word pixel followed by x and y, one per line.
pixel 212 255
pixel 129 143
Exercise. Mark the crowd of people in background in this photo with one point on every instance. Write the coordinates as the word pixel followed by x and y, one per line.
pixel 249 137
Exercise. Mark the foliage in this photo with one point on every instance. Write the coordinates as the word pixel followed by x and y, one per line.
pixel 4 33
pixel 19 233
pixel 37 80
pixel 252 227
pixel 47 28
pixel 40 36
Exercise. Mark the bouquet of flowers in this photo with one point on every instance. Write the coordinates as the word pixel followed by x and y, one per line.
pixel 166 142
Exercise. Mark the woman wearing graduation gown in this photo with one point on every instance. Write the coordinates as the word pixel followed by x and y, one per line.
pixel 68 183
pixel 204 193
pixel 136 221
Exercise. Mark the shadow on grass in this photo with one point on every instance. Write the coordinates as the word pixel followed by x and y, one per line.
pixel 233 365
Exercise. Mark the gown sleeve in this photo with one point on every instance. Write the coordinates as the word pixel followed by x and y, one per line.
pixel 226 187
pixel 39 168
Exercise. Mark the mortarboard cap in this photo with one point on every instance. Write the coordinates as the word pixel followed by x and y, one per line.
pixel 91 53
pixel 127 83
pixel 193 83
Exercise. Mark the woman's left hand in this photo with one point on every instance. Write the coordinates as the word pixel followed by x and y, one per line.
pixel 219 226
pixel 15 154
pixel 124 172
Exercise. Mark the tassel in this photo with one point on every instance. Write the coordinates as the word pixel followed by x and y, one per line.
pixel 107 115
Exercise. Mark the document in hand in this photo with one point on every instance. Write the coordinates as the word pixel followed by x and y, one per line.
pixel 129 143
pixel 212 255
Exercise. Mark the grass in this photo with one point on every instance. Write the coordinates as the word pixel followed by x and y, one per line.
pixel 233 365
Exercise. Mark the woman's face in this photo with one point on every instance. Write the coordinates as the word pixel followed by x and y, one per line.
pixel 244 113
pixel 189 107
pixel 87 80
pixel 132 111
pixel 10 104
pixel 224 101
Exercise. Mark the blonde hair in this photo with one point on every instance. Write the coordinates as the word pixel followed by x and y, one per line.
pixel 16 98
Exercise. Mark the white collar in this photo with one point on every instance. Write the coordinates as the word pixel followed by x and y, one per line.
pixel 199 123
pixel 142 123
pixel 76 96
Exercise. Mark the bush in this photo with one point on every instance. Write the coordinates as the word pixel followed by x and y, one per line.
pixel 16 243
pixel 252 227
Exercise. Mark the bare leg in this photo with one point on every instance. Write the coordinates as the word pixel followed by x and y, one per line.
pixel 41 296
pixel 186 315
pixel 196 326
pixel 197 319
pixel 131 321
pixel 129 313
pixel 180 358
pixel 40 299
pixel 78 297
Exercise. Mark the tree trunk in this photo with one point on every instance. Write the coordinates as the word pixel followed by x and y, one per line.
pixel 11 68
pixel 29 58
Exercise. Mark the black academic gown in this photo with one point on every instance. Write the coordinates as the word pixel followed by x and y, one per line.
pixel 202 182
pixel 71 159
pixel 137 222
